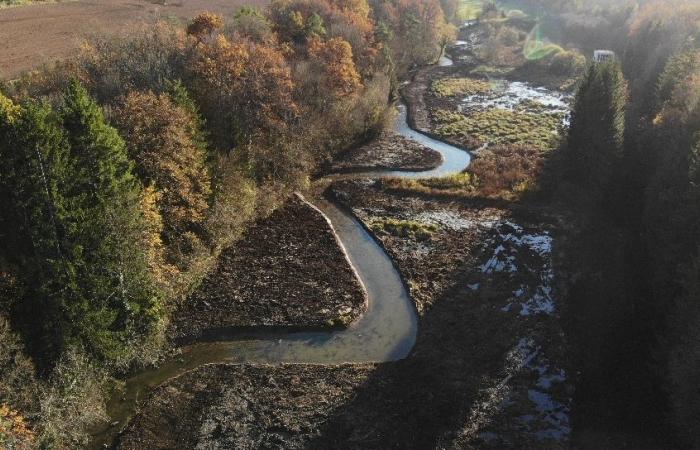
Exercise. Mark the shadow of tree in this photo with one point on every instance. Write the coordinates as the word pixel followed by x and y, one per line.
pixel 415 402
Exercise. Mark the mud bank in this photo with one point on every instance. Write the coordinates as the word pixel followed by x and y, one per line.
pixel 289 270
pixel 487 369
pixel 227 406
pixel 389 151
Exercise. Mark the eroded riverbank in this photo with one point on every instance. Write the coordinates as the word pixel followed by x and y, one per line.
pixel 486 369
pixel 288 271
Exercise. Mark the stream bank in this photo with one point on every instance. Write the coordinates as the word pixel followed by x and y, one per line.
pixel 487 368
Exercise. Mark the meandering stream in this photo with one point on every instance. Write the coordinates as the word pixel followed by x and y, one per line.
pixel 386 332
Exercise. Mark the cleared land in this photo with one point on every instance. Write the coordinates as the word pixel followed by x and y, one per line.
pixel 287 271
pixel 38 34
pixel 388 152
pixel 487 371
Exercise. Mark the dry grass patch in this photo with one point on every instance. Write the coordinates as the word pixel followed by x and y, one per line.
pixel 501 126
pixel 451 87
pixel 403 228
pixel 503 172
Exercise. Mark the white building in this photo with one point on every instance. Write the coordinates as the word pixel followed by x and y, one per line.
pixel 601 56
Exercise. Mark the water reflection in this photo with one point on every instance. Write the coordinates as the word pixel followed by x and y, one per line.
pixel 386 332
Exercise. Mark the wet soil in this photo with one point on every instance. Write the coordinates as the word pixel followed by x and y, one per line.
pixel 226 406
pixel 389 151
pixel 288 270
pixel 488 368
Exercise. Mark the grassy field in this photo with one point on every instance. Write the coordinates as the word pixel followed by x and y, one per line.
pixel 469 10
pixel 497 126
pixel 451 87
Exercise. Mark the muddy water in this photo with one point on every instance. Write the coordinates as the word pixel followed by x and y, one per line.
pixel 386 332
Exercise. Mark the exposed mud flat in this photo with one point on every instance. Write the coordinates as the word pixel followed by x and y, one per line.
pixel 482 374
pixel 389 151
pixel 289 270
pixel 428 264
pixel 500 263
pixel 226 406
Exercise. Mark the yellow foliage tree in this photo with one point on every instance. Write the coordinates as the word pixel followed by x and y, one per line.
pixel 162 138
pixel 205 24
pixel 334 57
pixel 245 89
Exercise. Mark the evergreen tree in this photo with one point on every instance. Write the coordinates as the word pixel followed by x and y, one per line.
pixel 672 207
pixel 33 181
pixel 597 129
pixel 114 299
pixel 73 228
pixel 684 360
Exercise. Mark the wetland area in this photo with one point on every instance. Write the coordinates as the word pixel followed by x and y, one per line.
pixel 451 336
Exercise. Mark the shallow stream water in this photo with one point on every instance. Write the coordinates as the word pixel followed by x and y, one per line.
pixel 386 332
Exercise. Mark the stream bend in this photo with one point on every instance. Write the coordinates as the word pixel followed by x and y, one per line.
pixel 385 332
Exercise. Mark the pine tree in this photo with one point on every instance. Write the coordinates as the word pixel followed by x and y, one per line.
pixel 33 181
pixel 597 129
pixel 73 228
pixel 684 359
pixel 114 299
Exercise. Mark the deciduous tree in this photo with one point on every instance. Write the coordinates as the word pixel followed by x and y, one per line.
pixel 163 139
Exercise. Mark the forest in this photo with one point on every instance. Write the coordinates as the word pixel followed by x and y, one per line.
pixel 629 164
pixel 131 166
pixel 124 180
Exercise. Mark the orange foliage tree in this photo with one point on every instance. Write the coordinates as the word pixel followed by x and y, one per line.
pixel 14 431
pixel 205 24
pixel 334 57
pixel 162 138
pixel 415 30
pixel 298 22
pixel 245 89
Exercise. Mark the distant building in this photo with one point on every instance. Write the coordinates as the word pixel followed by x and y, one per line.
pixel 601 56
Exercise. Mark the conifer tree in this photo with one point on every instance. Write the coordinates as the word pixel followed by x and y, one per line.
pixel 597 128
pixel 74 228
pixel 33 181
pixel 114 299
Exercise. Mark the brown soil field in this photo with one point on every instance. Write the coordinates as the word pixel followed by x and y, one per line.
pixel 389 151
pixel 35 35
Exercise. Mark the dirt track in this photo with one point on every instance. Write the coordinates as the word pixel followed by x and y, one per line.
pixel 38 34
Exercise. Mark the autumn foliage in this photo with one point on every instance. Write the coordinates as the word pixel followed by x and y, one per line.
pixel 128 168
pixel 14 430
pixel 204 24
pixel 162 138
pixel 340 77
pixel 246 90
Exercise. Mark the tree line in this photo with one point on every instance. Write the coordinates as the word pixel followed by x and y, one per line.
pixel 631 165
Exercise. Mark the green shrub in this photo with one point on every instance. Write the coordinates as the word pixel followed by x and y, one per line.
pixel 71 402
pixel 451 87
pixel 403 228
pixel 18 384
pixel 568 63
